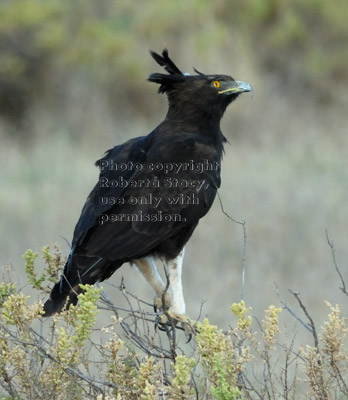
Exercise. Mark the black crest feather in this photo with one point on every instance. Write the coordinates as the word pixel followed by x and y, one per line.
pixel 199 73
pixel 175 75
pixel 164 61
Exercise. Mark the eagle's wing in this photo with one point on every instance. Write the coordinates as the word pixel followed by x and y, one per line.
pixel 129 153
pixel 156 205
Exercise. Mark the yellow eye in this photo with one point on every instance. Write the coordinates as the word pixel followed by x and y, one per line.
pixel 216 84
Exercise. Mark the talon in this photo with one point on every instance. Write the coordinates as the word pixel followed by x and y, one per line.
pixel 161 322
pixel 189 338
pixel 173 320
pixel 157 322
pixel 162 328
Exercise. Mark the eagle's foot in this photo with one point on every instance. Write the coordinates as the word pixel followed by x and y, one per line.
pixel 171 320
pixel 176 317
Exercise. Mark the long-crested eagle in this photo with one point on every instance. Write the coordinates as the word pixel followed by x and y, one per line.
pixel 153 190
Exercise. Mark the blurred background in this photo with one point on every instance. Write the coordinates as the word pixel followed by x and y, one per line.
pixel 73 84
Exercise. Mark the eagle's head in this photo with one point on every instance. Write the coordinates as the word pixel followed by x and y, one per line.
pixel 209 93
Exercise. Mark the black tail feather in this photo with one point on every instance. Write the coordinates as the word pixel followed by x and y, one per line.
pixel 63 294
pixel 78 270
pixel 56 305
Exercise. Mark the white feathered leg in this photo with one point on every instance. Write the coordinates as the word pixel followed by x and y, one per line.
pixel 148 269
pixel 174 268
pixel 174 299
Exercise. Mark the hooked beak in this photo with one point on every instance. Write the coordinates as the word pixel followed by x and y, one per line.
pixel 238 87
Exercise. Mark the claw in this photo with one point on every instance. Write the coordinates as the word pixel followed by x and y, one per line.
pixel 163 328
pixel 157 322
pixel 186 324
pixel 172 320
pixel 189 337
pixel 162 323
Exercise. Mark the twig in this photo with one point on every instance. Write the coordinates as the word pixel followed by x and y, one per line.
pixel 311 323
pixel 243 223
pixel 287 308
pixel 333 252
pixel 7 384
pixel 143 345
pixel 95 384
pixel 251 387
pixel 136 334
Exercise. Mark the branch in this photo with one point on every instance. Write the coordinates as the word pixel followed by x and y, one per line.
pixel 95 384
pixel 311 323
pixel 244 244
pixel 287 308
pixel 133 331
pixel 333 252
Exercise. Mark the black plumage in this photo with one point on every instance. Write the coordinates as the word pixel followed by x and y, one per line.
pixel 140 206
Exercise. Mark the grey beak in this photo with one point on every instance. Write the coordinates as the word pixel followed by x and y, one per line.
pixel 243 87
pixel 238 87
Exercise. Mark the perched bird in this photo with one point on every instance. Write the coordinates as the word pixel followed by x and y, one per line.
pixel 152 191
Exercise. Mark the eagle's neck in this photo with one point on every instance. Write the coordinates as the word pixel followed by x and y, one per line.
pixel 194 119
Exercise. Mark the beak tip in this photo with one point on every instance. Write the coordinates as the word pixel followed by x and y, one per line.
pixel 245 87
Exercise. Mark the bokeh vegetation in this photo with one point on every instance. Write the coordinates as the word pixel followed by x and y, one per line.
pixel 303 42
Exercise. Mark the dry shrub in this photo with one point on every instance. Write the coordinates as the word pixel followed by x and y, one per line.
pixel 133 357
